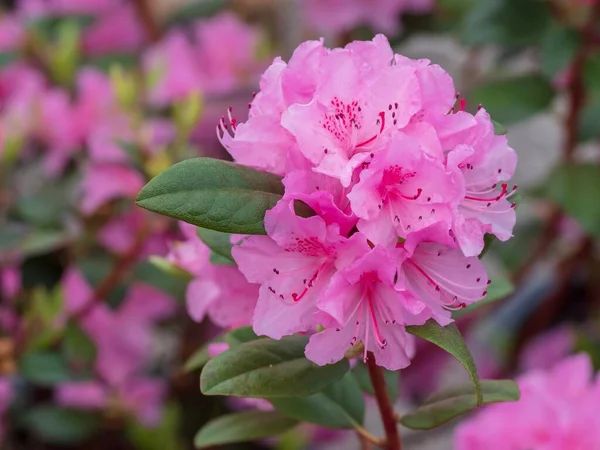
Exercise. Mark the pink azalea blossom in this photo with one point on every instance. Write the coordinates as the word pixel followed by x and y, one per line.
pixel 438 275
pixel 485 161
pixel 218 60
pixel 557 410
pixel 547 349
pixel 337 16
pixel 363 305
pixel 293 264
pixel 402 190
pixel 117 30
pixel 105 182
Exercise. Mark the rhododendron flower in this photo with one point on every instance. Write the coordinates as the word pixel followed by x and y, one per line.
pixel 363 305
pixel 438 275
pixel 558 410
pixel 293 264
pixel 403 189
pixel 486 162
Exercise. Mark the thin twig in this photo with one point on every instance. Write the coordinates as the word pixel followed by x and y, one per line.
pixel 148 20
pixel 388 415
pixel 116 274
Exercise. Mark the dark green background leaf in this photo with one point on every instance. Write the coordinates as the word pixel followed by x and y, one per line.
pixel 242 427
pixel 450 403
pixel 61 426
pixel 513 99
pixel 575 188
pixel 217 241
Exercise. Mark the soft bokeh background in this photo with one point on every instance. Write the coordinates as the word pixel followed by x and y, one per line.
pixel 98 96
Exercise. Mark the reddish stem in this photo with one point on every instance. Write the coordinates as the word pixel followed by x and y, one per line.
pixel 388 415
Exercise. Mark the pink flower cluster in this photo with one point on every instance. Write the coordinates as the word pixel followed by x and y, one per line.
pixel 558 410
pixel 337 16
pixel 404 188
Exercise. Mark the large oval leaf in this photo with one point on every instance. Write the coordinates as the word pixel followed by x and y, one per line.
pixel 449 338
pixel 450 403
pixel 340 405
pixel 213 194
pixel 266 368
pixel 217 241
pixel 242 427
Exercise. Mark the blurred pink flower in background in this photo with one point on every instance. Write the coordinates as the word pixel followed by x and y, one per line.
pixel 216 61
pixel 337 16
pixel 105 182
pixel 558 410
pixel 142 397
pixel 547 349
pixel 12 33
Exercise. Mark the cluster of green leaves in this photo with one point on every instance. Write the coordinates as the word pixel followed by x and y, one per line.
pixel 223 198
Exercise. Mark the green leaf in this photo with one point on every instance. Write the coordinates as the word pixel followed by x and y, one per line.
pixel 500 288
pixel 267 368
pixel 44 368
pixel 8 57
pixel 559 46
pixel 217 241
pixel 506 22
pixel 56 425
pixel 105 62
pixel 575 188
pixel 239 336
pixel 591 75
pixel 198 359
pixel 77 345
pixel 242 427
pixel 361 373
pixel 450 403
pixel 213 194
pixel 448 338
pixel 169 282
pixel 340 405
pixel 514 99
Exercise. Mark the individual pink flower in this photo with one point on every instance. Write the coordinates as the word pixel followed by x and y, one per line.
pixel 82 395
pixel 293 264
pixel 438 275
pixel 105 182
pixel 344 125
pixel 118 29
pixel 10 282
pixel 337 16
pixel 485 162
pixel 402 190
pixel 226 52
pixel 547 349
pixel 362 305
pixel 557 411
pixel 325 195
